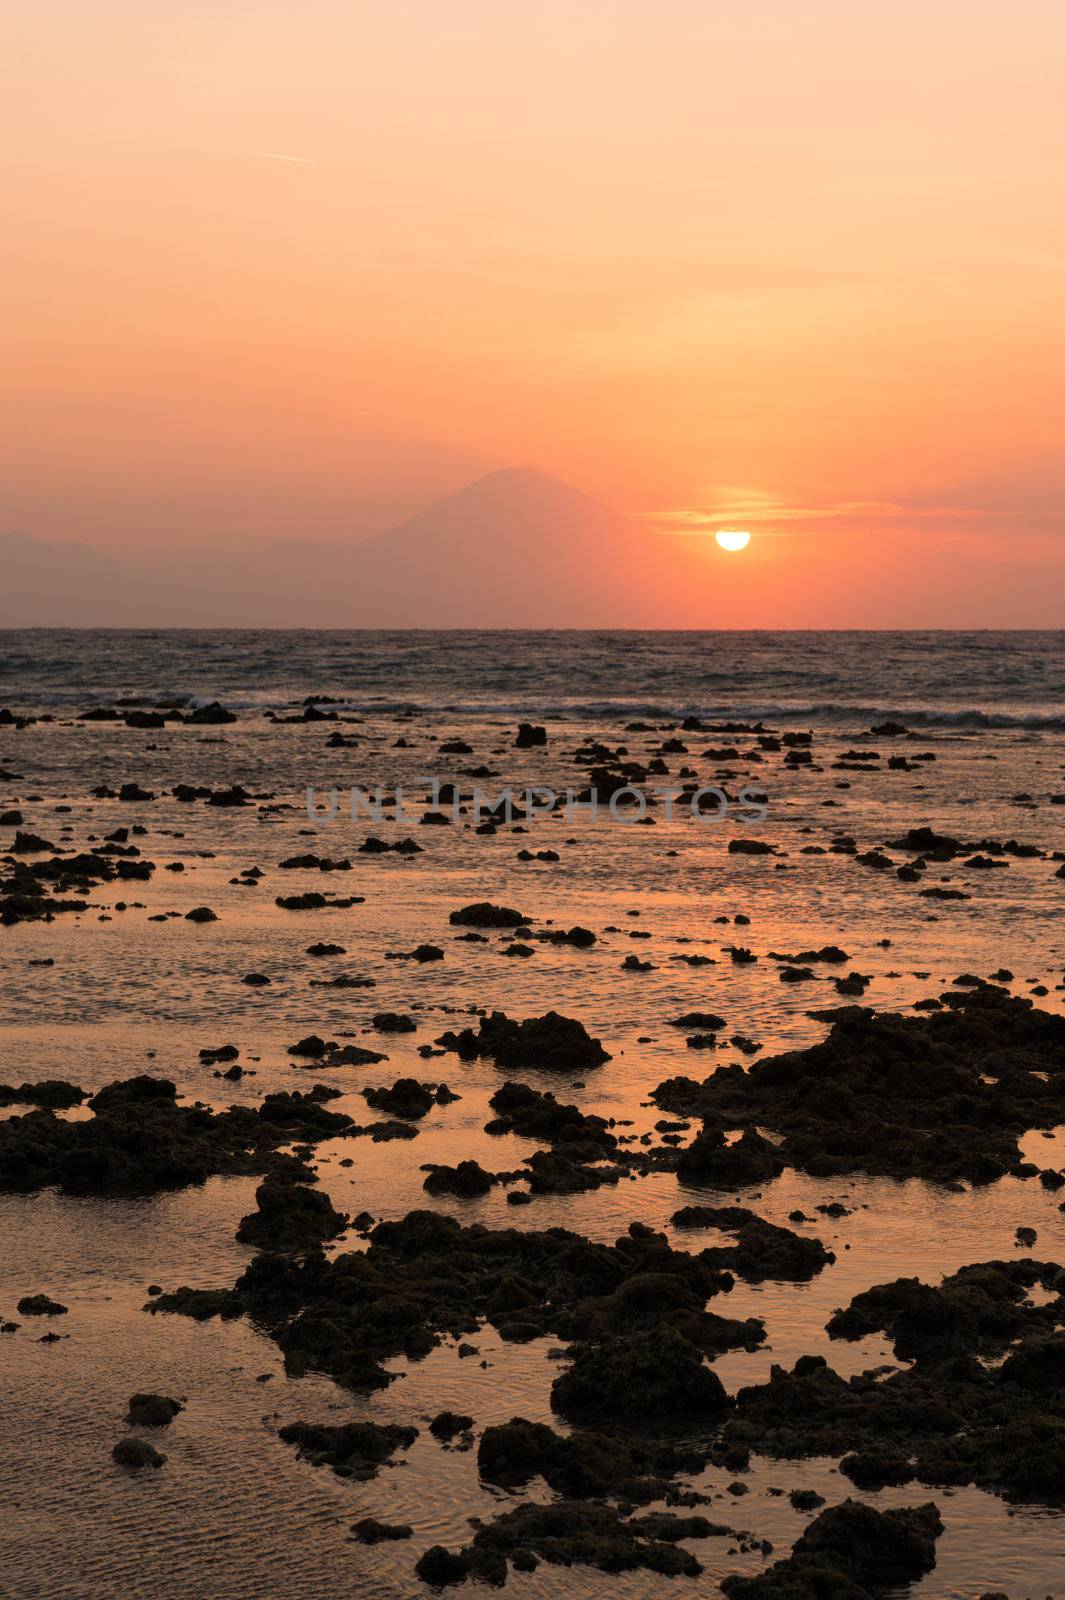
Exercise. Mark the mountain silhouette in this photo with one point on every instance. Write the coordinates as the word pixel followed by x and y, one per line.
pixel 521 549
pixel 515 549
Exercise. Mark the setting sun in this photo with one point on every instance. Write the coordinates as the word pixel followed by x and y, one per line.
pixel 732 538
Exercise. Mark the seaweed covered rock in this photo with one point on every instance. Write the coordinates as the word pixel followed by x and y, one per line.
pixel 352 1449
pixel 851 1551
pixel 762 1249
pixel 535 1115
pixel 1037 1366
pixel 944 1095
pixel 483 914
pixel 978 1310
pixel 583 1464
pixel 53 1093
pixel 875 1469
pixel 569 1533
pixel 439 1566
pixel 369 1531
pixel 140 1141
pixel 152 1410
pixel 40 890
pixel 556 1172
pixel 135 1454
pixel 954 1417
pixel 40 1305
pixel 552 1043
pixel 468 1180
pixel 329 1053
pixel 407 1098
pixel 448 1425
pixel 646 1377
pixel 652 1301
pixel 426 1277
pixel 712 1161
pixel 289 1217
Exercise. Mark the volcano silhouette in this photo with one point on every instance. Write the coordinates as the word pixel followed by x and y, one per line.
pixel 521 549
pixel 516 549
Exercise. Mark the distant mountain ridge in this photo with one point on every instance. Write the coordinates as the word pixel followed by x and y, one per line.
pixel 515 549
pixel 518 549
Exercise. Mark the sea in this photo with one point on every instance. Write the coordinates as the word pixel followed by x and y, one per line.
pixel 937 679
pixel 960 731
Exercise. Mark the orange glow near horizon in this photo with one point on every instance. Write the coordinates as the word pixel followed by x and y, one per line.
pixel 271 275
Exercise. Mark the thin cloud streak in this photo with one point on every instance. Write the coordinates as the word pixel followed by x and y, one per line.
pixel 763 510
pixel 274 155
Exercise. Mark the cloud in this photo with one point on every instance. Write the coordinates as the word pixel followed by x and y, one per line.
pixel 274 155
pixel 737 507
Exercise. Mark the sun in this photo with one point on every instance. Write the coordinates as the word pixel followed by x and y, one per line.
pixel 732 538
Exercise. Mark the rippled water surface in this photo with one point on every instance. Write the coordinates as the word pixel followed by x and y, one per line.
pixel 234 1513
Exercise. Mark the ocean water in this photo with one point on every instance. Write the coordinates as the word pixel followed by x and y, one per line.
pixel 233 1513
pixel 932 678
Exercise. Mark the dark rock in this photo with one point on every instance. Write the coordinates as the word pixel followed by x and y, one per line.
pixel 468 1180
pixel 152 1410
pixel 942 1095
pixel 570 1533
pixel 352 1449
pixel 140 1141
pixel 979 1309
pixel 409 1099
pixel 762 1250
pixel 537 1115
pixel 29 844
pixel 806 1499
pixel 39 1305
pixel 426 1277
pixel 290 1217
pixel 711 1160
pixel 446 1425
pixel 199 1304
pixel 328 1053
pixel 875 1469
pixel 849 1552
pixel 370 1531
pixel 394 1022
pixel 551 1042
pixel 211 1056
pixel 421 953
pixel 953 1417
pixel 581 938
pixel 313 901
pixel 52 1093
pixel 439 1566
pixel 651 1378
pixel 485 915
pixel 135 1454
pixel 210 715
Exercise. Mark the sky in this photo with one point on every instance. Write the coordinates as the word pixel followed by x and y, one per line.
pixel 280 271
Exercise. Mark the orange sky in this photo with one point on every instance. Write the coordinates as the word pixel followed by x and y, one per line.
pixel 797 264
